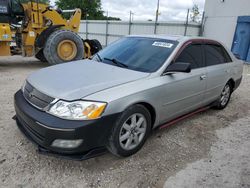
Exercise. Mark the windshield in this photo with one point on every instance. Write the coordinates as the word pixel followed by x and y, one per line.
pixel 137 53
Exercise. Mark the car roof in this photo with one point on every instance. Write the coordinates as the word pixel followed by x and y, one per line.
pixel 179 38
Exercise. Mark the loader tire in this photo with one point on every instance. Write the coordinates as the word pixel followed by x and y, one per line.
pixel 63 46
pixel 95 46
pixel 41 56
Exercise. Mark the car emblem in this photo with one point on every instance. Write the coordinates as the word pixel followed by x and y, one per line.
pixel 31 94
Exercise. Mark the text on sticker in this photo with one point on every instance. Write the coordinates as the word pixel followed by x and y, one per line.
pixel 163 44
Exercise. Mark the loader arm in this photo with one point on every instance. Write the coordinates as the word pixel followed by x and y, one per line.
pixel 72 24
pixel 42 17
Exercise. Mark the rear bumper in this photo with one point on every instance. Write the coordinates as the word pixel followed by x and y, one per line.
pixel 43 128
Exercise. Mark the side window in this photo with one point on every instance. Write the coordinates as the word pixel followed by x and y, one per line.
pixel 4 7
pixel 192 54
pixel 17 7
pixel 227 57
pixel 216 54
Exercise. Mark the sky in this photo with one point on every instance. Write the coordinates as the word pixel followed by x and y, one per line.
pixel 170 10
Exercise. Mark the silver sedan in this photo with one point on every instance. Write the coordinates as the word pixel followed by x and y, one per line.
pixel 131 87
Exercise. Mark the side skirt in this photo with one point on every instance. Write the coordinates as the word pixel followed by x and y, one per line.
pixel 176 120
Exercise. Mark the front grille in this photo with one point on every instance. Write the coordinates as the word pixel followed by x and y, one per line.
pixel 35 97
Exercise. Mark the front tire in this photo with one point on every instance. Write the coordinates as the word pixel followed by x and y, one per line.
pixel 130 131
pixel 63 46
pixel 224 97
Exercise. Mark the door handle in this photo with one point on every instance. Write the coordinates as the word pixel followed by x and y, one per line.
pixel 203 77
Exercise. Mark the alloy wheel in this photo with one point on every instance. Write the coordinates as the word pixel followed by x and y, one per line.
pixel 132 131
pixel 225 95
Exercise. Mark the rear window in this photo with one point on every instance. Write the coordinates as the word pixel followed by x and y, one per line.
pixel 216 54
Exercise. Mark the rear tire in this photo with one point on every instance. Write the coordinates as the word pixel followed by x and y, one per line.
pixel 63 46
pixel 130 131
pixel 41 56
pixel 224 97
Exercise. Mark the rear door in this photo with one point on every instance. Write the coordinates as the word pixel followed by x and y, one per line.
pixel 218 70
pixel 184 92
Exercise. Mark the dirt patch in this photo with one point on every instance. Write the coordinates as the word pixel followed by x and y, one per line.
pixel 165 153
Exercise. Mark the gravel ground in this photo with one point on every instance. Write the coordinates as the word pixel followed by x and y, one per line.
pixel 211 149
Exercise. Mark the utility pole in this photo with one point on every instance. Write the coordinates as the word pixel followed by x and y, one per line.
pixel 107 27
pixel 156 15
pixel 131 16
pixel 186 24
pixel 130 21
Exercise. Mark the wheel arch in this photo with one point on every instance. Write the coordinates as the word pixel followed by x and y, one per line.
pixel 150 109
pixel 232 83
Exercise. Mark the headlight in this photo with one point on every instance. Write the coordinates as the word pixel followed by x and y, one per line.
pixel 78 110
pixel 23 86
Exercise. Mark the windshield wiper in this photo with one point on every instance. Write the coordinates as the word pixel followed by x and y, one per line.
pixel 116 62
pixel 99 57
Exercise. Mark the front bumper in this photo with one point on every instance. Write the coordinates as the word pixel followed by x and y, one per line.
pixel 43 128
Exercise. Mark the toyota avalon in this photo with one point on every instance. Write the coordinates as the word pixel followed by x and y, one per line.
pixel 128 89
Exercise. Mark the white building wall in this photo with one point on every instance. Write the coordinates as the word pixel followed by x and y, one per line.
pixel 221 18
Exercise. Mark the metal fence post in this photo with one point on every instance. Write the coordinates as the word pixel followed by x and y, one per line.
pixel 86 28
pixel 130 23
pixel 107 27
pixel 186 24
pixel 202 24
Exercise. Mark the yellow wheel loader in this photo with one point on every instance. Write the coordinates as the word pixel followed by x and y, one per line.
pixel 37 29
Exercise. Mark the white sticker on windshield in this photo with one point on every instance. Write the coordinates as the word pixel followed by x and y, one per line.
pixel 163 44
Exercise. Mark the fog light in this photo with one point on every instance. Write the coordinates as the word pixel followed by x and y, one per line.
pixel 68 144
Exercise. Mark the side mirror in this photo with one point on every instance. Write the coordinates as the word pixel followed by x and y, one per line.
pixel 178 67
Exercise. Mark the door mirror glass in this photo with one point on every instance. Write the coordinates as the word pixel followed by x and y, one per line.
pixel 178 67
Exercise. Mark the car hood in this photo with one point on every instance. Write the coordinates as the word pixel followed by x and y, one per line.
pixel 75 80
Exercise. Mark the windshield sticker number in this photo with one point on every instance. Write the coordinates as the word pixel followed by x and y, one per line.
pixel 163 44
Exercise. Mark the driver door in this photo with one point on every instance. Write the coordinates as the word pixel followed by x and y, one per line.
pixel 184 92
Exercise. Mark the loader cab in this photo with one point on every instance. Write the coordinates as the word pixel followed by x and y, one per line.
pixel 4 11
pixel 11 11
pixel 16 8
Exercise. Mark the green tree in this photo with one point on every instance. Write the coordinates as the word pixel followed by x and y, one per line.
pixel 111 18
pixel 195 12
pixel 40 1
pixel 44 1
pixel 92 8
